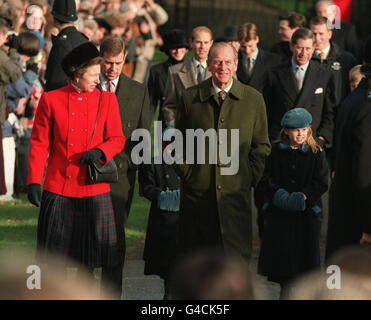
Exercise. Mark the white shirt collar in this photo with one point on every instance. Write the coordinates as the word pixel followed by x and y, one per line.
pixel 196 63
pixel 217 89
pixel 326 51
pixel 294 66
pixel 104 83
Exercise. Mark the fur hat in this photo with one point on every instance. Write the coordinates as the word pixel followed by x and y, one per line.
pixel 296 118
pixel 79 57
pixel 64 10
pixel 174 39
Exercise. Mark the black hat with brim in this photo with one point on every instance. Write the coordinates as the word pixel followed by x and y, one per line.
pixel 229 34
pixel 64 10
pixel 79 57
pixel 174 39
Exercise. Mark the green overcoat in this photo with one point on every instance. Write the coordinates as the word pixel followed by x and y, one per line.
pixel 206 193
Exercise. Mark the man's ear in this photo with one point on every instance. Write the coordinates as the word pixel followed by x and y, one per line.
pixel 291 46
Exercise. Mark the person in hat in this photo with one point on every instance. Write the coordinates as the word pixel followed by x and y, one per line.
pixel 294 179
pixel 161 186
pixel 75 125
pixel 68 38
pixel 230 36
pixel 349 220
pixel 175 46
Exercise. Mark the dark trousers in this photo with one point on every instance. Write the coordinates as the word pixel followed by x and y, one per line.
pixel 112 277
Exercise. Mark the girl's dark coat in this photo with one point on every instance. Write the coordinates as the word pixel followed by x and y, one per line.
pixel 290 243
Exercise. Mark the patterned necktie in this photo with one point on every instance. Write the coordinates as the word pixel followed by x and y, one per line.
pixel 251 65
pixel 110 86
pixel 221 96
pixel 321 56
pixel 200 77
pixel 299 75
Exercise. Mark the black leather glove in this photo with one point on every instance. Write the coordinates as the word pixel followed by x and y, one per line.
pixel 91 155
pixel 33 67
pixel 34 194
pixel 13 41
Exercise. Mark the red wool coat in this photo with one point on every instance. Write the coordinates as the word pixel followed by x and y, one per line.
pixel 63 129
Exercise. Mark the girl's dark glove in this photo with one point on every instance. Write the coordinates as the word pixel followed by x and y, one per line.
pixel 91 156
pixel 34 194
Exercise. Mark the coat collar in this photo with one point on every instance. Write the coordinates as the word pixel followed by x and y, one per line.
pixel 285 146
pixel 207 90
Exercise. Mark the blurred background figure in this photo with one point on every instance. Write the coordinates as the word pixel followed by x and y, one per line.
pixel 22 279
pixel 210 275
pixel 175 46
pixel 354 279
pixel 289 23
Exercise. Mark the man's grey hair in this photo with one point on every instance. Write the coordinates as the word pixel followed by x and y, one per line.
pixel 226 45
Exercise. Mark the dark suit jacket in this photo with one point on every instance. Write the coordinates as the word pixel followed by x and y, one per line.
pixel 339 62
pixel 283 49
pixel 133 100
pixel 158 75
pixel 68 39
pixel 346 38
pixel 317 96
pixel 264 62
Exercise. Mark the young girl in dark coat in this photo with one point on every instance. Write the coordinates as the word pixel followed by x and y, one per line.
pixel 160 185
pixel 295 178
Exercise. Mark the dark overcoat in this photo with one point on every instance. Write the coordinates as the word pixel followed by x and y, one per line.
pixel 158 75
pixel 133 100
pixel 210 197
pixel 317 96
pixel 290 243
pixel 339 62
pixel 66 40
pixel 350 214
pixel 160 245
pixel 283 49
pixel 264 62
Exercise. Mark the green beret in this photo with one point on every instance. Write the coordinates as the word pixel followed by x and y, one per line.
pixel 296 118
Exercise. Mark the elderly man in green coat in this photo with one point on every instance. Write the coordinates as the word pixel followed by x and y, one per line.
pixel 215 209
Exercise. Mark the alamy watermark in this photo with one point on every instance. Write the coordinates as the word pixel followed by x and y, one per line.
pixel 218 142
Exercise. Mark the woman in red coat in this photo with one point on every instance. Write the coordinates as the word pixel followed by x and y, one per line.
pixel 76 219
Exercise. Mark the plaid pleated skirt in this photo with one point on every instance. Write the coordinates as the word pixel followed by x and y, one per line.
pixel 78 230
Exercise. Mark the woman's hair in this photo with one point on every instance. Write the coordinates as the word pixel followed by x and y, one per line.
pixel 309 141
pixel 29 44
pixel 81 70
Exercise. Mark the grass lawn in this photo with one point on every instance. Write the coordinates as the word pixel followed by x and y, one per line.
pixel 18 223
pixel 304 7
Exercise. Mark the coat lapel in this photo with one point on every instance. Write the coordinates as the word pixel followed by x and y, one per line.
pixel 309 84
pixel 288 81
pixel 187 74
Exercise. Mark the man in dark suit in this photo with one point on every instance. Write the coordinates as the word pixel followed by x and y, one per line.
pixel 253 62
pixel 68 38
pixel 289 23
pixel 134 111
pixel 301 83
pixel 343 33
pixel 332 56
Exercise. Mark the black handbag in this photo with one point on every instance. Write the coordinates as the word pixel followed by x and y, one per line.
pixel 97 171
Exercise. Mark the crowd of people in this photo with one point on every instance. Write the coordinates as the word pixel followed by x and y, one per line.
pixel 77 81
